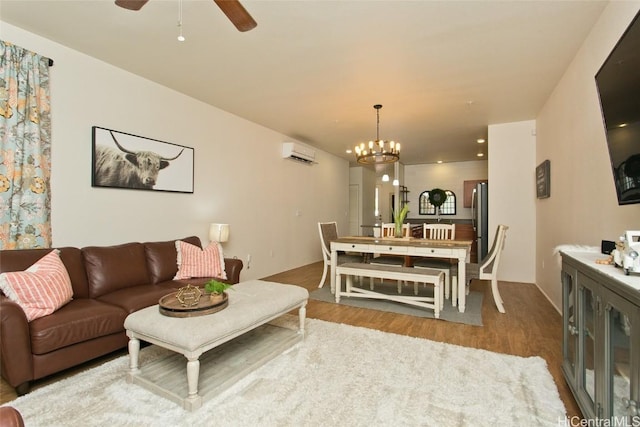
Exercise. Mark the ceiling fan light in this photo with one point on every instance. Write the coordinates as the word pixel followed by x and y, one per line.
pixel 180 36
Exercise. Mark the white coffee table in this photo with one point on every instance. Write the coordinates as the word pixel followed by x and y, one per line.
pixel 220 348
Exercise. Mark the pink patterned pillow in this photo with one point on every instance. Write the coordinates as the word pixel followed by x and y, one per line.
pixel 196 262
pixel 41 289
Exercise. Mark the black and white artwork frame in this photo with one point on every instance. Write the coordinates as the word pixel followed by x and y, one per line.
pixel 127 161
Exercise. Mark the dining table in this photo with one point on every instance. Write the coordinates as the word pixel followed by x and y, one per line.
pixel 408 247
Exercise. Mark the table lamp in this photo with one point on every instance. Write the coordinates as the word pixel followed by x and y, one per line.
pixel 219 232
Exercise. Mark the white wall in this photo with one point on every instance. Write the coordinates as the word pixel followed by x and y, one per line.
pixel 271 204
pixel 447 176
pixel 512 196
pixel 582 209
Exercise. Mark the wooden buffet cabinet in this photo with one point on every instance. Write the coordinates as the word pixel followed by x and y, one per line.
pixel 601 338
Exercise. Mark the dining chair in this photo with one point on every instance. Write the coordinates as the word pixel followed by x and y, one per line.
pixel 389 230
pixel 328 232
pixel 439 232
pixel 487 269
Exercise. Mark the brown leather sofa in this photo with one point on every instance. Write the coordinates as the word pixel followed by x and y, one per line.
pixel 10 417
pixel 108 283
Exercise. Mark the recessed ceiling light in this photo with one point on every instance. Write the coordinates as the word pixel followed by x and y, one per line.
pixel 349 151
pixel 622 125
pixel 481 140
pixel 480 154
pixel 439 161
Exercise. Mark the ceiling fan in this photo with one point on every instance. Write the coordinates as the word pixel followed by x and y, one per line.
pixel 236 13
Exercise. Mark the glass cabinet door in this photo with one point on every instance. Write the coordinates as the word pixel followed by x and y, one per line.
pixel 587 326
pixel 619 331
pixel 570 329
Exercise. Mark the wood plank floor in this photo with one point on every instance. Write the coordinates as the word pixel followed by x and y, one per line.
pixel 531 327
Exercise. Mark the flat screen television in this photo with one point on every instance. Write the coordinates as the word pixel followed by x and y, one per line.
pixel 618 83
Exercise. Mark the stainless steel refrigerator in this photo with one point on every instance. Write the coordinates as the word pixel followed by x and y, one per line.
pixel 480 218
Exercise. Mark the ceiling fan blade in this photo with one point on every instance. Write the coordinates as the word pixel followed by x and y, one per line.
pixel 237 14
pixel 131 4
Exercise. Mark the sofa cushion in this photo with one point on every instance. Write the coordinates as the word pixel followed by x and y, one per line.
pixel 21 259
pixel 41 289
pixel 138 297
pixel 196 262
pixel 110 268
pixel 162 256
pixel 80 320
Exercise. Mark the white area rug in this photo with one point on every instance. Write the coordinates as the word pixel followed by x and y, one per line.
pixel 339 376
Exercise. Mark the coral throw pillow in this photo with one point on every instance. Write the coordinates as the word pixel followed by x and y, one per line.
pixel 196 262
pixel 41 289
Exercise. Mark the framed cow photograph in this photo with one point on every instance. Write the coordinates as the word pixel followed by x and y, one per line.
pixel 123 160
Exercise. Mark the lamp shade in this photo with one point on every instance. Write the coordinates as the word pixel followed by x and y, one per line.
pixel 219 232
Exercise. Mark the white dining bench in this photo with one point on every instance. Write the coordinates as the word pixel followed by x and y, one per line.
pixel 417 275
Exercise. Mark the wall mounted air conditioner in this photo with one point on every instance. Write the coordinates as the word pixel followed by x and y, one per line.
pixel 298 152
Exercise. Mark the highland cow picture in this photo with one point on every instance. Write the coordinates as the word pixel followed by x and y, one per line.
pixel 122 160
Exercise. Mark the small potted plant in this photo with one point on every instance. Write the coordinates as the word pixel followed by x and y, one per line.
pixel 216 290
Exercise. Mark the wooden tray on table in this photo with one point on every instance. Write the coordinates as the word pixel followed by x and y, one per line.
pixel 187 303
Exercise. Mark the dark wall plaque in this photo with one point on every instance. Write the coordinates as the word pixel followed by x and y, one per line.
pixel 543 180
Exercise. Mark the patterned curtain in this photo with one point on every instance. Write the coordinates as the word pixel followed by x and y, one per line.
pixel 25 149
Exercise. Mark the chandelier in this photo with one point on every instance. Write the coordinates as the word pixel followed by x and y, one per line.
pixel 378 151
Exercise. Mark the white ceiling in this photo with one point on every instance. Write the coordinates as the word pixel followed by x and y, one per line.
pixel 312 70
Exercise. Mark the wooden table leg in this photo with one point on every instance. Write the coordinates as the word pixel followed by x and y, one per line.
pixel 134 352
pixel 193 372
pixel 462 284
pixel 302 314
pixel 334 264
